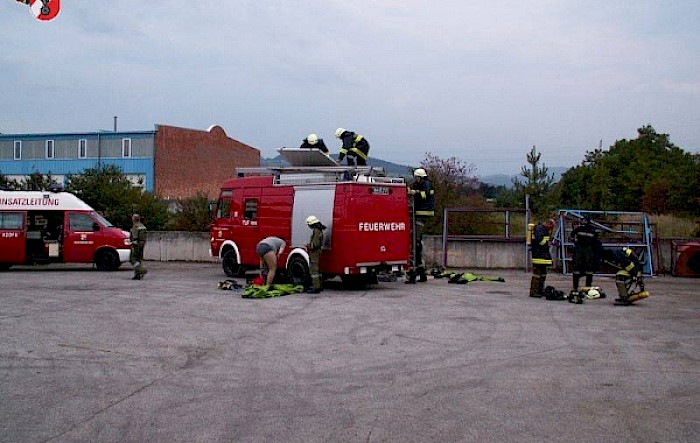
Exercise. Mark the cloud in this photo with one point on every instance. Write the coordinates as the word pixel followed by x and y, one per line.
pixel 479 80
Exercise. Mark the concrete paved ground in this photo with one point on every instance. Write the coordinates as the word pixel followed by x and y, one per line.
pixel 96 357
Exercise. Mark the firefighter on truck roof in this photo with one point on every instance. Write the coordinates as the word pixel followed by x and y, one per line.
pixel 423 210
pixel 313 142
pixel 355 147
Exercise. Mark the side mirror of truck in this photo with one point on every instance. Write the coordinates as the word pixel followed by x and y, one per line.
pixel 95 227
pixel 212 208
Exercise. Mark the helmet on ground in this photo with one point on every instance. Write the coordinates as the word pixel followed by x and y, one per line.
pixel 312 139
pixel 312 220
pixel 339 132
pixel 420 172
pixel 593 293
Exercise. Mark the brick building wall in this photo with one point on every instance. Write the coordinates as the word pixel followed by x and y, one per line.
pixel 187 161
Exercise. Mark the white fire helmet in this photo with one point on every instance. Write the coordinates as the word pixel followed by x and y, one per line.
pixel 420 172
pixel 312 139
pixel 593 293
pixel 312 220
pixel 339 132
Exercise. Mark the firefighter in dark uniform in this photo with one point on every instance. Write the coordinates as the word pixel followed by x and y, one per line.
pixel 138 244
pixel 586 253
pixel 630 271
pixel 313 142
pixel 423 210
pixel 541 257
pixel 355 147
pixel 314 248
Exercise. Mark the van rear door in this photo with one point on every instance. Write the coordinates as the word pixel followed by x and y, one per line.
pixel 13 238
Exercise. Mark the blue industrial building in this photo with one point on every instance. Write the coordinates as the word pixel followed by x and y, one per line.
pixel 61 154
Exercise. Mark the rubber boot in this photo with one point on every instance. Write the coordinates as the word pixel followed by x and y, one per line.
pixel 621 291
pixel 589 280
pixel 535 287
pixel 422 278
pixel 410 278
pixel 577 279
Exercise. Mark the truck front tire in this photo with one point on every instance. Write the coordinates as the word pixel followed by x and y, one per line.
pixel 229 261
pixel 298 271
pixel 107 260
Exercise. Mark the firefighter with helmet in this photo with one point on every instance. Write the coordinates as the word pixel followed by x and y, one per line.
pixel 423 210
pixel 630 273
pixel 586 253
pixel 314 248
pixel 313 142
pixel 355 147
pixel 541 257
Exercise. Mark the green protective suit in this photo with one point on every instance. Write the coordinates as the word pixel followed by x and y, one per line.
pixel 315 247
pixel 138 244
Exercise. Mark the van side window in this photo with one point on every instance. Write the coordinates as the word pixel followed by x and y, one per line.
pixel 11 220
pixel 251 210
pixel 80 222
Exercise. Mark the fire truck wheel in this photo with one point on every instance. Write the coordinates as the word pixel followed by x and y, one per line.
pixel 4 266
pixel 107 260
pixel 298 270
pixel 230 263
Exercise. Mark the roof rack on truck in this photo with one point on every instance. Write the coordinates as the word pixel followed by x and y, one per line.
pixel 312 166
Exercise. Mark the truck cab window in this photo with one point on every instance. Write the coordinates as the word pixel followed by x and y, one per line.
pixel 251 210
pixel 224 209
pixel 81 223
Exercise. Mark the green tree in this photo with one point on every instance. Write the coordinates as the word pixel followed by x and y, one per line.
pixel 108 190
pixel 648 173
pixel 191 214
pixel 37 182
pixel 538 184
pixel 455 185
pixel 7 184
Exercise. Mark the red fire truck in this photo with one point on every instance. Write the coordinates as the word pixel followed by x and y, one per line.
pixel 57 227
pixel 366 215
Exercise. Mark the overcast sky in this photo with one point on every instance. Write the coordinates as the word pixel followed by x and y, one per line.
pixel 479 80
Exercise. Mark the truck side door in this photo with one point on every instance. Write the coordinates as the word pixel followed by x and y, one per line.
pixel 13 239
pixel 81 236
pixel 249 229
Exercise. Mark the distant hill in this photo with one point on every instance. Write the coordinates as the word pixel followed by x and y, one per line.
pixel 507 180
pixel 395 169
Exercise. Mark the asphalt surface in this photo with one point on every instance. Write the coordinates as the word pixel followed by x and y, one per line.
pixel 87 356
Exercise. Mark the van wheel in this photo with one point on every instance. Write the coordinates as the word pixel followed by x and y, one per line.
pixel 107 260
pixel 298 271
pixel 230 263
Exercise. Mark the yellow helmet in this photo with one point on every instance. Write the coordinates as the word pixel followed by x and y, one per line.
pixel 339 132
pixel 312 139
pixel 312 220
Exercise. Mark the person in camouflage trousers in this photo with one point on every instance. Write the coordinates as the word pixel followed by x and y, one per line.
pixel 314 248
pixel 138 244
